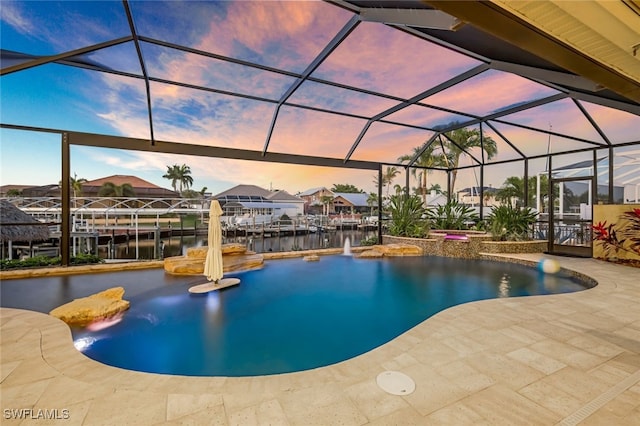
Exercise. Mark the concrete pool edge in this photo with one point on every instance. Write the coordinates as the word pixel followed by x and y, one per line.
pixel 419 352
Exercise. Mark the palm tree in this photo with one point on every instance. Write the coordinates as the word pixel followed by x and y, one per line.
pixel 76 186
pixel 435 187
pixel 425 159
pixel 179 176
pixel 512 188
pixel 372 200
pixel 388 176
pixel 465 139
pixel 173 175
pixel 110 189
pixel 326 200
pixel 184 177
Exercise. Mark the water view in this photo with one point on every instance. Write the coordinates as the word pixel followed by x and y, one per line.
pixel 178 245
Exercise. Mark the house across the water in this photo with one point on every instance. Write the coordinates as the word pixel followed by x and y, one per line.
pixel 253 205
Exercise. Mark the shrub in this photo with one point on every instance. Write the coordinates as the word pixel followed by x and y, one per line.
pixel 408 217
pixel 452 215
pixel 43 261
pixel 371 241
pixel 511 223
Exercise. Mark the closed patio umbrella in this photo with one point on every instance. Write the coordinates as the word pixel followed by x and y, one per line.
pixel 213 261
pixel 213 267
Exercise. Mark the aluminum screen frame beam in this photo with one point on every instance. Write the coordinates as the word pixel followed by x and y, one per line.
pixel 324 54
pixel 430 92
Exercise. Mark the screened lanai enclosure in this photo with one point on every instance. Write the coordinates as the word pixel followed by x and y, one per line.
pixel 462 98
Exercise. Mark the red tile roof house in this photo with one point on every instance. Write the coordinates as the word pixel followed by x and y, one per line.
pixel 141 187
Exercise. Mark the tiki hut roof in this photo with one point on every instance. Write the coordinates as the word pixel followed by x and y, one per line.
pixel 16 225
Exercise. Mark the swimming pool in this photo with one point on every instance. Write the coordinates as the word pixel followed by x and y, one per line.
pixel 294 315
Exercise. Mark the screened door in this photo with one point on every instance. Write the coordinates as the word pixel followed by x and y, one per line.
pixel 570 217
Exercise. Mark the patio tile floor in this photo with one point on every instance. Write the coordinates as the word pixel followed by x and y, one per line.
pixel 543 360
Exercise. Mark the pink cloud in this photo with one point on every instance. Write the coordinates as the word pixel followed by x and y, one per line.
pixel 487 92
pixel 619 126
pixel 563 116
pixel 286 34
pixel 428 117
pixel 376 57
pixel 314 133
pixel 386 142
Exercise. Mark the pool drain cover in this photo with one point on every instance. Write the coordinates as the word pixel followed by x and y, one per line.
pixel 395 383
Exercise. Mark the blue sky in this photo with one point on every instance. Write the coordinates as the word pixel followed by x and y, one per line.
pixel 62 97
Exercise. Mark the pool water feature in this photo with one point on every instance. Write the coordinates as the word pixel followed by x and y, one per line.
pixel 346 250
pixel 294 315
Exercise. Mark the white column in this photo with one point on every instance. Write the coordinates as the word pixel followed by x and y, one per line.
pixel 538 200
pixel 561 197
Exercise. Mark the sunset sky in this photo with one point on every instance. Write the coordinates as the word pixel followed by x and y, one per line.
pixel 286 36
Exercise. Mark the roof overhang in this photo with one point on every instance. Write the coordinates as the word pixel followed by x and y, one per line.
pixel 599 41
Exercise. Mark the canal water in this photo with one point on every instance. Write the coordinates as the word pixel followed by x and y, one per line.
pixel 178 245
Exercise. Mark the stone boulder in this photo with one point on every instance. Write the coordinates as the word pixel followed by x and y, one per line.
pixel 93 308
pixel 388 250
pixel 370 254
pixel 235 257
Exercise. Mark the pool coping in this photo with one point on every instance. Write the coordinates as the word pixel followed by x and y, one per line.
pixel 442 354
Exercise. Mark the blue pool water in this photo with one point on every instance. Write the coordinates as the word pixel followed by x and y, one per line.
pixel 295 315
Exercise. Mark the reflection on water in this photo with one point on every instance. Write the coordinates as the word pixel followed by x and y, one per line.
pixel 178 245
pixel 504 286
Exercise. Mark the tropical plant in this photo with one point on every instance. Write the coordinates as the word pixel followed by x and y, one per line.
pixel 509 222
pixel 452 215
pixel 460 142
pixel 408 217
pixel 426 158
pixel 180 177
pixel 110 189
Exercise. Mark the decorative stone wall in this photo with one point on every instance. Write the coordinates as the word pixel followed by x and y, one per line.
pixel 468 246
pixel 535 246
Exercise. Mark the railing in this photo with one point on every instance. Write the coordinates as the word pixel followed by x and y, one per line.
pixel 111 205
pixel 576 233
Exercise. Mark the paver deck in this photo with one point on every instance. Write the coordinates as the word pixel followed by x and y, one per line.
pixel 542 360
